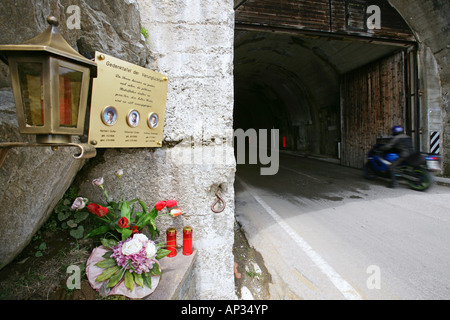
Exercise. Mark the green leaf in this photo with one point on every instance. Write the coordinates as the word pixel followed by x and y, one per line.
pixel 129 280
pixel 62 215
pixel 125 233
pixel 109 243
pixel 138 217
pixel 153 232
pixel 97 231
pixel 77 233
pixel 107 254
pixel 148 217
pixel 72 223
pixel 107 263
pixel 115 278
pixel 38 254
pixel 80 216
pixel 143 205
pixel 141 215
pixel 43 246
pixel 108 273
pixel 125 211
pixel 155 270
pixel 147 278
pixel 138 279
pixel 145 220
pixel 161 253
pixel 113 205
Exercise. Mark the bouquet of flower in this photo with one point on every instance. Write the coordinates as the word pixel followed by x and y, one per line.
pixel 132 262
pixel 124 216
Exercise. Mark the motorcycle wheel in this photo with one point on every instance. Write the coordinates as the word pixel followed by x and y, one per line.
pixel 369 171
pixel 425 180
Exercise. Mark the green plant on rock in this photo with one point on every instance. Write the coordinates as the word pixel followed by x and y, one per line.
pixel 42 247
pixel 144 32
pixel 69 220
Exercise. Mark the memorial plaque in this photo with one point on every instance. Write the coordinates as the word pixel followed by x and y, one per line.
pixel 128 105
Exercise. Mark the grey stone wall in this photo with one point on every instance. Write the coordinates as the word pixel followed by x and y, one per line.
pixel 192 43
pixel 430 21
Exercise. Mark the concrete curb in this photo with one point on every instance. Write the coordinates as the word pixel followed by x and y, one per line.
pixel 442 181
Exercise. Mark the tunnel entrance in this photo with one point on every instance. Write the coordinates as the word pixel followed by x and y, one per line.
pixel 330 90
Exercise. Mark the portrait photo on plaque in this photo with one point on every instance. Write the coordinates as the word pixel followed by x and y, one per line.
pixel 153 120
pixel 109 115
pixel 133 118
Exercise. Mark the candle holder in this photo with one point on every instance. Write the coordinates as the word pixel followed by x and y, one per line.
pixel 172 241
pixel 187 241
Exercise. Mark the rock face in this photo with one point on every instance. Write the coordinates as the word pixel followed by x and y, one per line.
pixel 34 179
pixel 430 22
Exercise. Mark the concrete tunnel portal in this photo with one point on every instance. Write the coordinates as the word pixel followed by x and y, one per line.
pixel 293 81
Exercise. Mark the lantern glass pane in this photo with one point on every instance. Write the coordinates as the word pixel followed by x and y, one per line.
pixel 31 86
pixel 69 96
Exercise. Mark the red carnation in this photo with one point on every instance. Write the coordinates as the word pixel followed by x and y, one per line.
pixel 101 211
pixel 92 208
pixel 160 205
pixel 123 222
pixel 134 229
pixel 171 203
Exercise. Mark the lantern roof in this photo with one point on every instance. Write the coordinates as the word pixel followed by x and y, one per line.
pixel 50 41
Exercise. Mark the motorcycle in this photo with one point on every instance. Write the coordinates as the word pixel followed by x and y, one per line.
pixel 416 169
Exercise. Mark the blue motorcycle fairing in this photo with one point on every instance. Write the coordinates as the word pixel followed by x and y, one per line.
pixel 391 157
pixel 377 163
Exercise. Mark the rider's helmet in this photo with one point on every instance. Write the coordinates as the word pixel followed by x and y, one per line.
pixel 397 130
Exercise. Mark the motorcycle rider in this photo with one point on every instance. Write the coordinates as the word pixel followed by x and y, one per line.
pixel 401 144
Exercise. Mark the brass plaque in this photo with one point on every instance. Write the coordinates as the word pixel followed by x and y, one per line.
pixel 128 105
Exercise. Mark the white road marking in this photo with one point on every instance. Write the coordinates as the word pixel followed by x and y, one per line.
pixel 343 286
pixel 301 173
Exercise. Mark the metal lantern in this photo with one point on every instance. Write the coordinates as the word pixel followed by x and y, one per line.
pixel 51 82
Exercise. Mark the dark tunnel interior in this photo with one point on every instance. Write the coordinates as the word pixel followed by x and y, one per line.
pixel 291 82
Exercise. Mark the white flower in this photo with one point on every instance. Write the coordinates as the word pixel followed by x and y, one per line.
pixel 98 182
pixel 150 250
pixel 132 247
pixel 140 236
pixel 79 203
pixel 119 173
pixel 175 212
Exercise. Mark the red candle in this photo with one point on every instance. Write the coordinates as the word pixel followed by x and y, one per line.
pixel 172 242
pixel 187 241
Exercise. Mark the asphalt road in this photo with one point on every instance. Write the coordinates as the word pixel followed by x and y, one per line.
pixel 327 233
